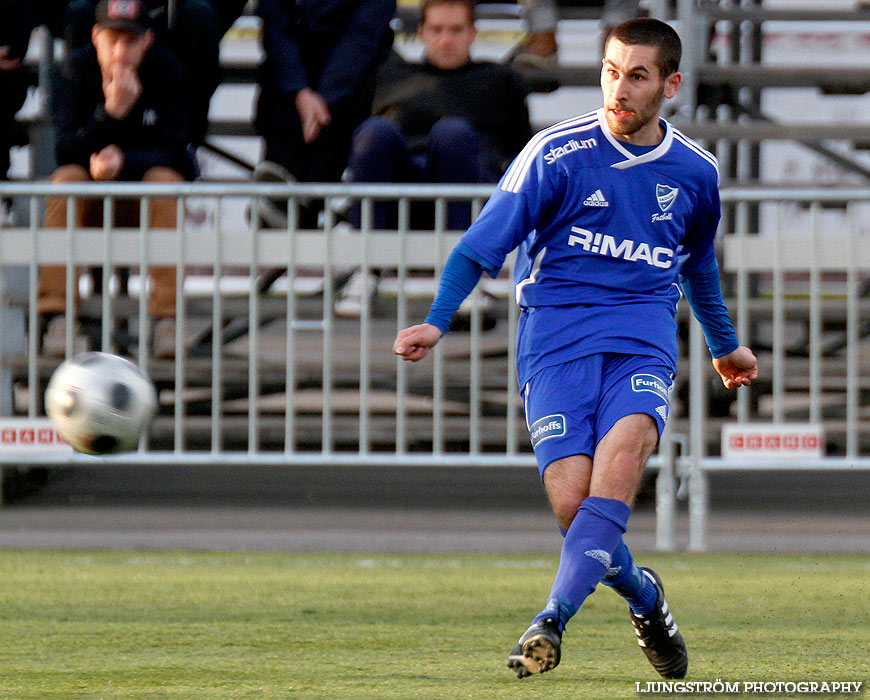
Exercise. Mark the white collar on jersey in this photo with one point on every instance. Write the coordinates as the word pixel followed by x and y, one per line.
pixel 631 159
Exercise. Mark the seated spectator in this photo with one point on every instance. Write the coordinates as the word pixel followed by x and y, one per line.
pixel 316 87
pixel 193 35
pixel 17 20
pixel 446 119
pixel 121 114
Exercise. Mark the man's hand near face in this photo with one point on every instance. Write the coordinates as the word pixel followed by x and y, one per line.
pixel 121 88
pixel 107 164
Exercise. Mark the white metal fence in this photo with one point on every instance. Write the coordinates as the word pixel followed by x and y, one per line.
pixel 798 263
pixel 265 372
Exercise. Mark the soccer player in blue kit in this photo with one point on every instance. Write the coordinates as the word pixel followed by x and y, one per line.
pixel 613 213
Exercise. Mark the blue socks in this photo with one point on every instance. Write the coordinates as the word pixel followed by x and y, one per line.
pixel 593 551
pixel 586 555
pixel 630 582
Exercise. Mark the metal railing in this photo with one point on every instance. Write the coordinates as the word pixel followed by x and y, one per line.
pixel 799 264
pixel 270 375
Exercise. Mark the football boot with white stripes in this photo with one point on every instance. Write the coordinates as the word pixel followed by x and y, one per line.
pixel 538 650
pixel 659 637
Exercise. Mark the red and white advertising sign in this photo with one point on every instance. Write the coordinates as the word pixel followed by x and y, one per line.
pixel 31 436
pixel 774 442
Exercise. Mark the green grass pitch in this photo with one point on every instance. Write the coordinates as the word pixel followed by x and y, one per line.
pixel 113 625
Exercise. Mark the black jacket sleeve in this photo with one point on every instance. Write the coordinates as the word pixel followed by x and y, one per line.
pixel 327 46
pixel 357 49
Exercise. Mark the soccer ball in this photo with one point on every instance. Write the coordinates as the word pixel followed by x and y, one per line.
pixel 100 403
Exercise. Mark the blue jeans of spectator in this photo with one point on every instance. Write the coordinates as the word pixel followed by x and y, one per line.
pixel 380 153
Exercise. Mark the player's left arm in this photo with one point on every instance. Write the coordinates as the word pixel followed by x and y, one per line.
pixel 738 368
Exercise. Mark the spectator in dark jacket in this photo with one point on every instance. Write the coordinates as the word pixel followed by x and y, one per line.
pixel 446 119
pixel 317 82
pixel 121 114
pixel 193 34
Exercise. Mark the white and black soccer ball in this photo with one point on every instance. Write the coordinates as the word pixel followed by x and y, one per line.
pixel 100 403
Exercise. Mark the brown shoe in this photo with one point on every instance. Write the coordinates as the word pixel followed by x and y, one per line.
pixel 539 49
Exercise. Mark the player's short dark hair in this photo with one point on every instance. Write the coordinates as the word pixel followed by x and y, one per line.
pixel 646 31
pixel 470 5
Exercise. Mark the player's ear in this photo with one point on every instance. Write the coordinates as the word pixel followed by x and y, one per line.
pixel 672 84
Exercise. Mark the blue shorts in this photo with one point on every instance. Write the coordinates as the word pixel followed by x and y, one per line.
pixel 571 406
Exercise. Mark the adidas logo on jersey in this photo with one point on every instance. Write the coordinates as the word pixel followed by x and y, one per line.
pixel 596 199
pixel 663 412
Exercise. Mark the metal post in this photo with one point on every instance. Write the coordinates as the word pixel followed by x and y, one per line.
pixel 691 33
pixel 666 493
pixel 698 504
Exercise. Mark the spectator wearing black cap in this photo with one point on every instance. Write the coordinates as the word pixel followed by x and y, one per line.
pixel 192 31
pixel 121 114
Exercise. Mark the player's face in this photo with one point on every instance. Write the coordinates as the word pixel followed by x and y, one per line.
pixel 117 47
pixel 634 91
pixel 448 32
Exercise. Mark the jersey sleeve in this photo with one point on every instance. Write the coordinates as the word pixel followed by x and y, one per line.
pixel 520 201
pixel 696 251
pixel 704 293
pixel 458 278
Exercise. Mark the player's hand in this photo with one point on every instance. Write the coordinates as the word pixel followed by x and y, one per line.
pixel 313 113
pixel 738 368
pixel 415 342
pixel 121 88
pixel 107 164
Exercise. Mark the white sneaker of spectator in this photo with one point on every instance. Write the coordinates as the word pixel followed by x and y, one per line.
pixel 361 285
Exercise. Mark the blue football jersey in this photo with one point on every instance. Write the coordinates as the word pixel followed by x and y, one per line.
pixel 602 236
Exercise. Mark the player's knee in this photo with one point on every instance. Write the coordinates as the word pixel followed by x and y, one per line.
pixel 565 509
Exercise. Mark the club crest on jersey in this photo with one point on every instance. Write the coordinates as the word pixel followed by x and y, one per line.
pixel 546 428
pixel 666 196
pixel 651 383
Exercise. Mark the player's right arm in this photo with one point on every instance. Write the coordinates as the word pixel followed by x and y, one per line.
pixel 459 277
pixel 509 215
pixel 415 342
